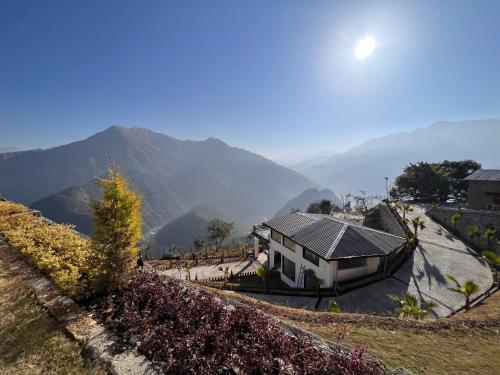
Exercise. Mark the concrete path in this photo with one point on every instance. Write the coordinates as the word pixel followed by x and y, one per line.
pixel 207 272
pixel 424 275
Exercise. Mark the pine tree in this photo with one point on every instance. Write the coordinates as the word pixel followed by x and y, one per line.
pixel 118 228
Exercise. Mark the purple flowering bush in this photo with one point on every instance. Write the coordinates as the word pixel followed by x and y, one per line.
pixel 191 331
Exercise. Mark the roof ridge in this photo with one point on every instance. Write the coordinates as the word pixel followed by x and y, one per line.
pixel 337 240
pixel 306 214
pixel 362 227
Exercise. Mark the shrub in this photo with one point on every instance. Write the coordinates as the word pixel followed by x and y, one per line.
pixel 57 250
pixel 491 257
pixel 118 228
pixel 191 331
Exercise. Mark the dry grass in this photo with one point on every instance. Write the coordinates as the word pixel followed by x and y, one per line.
pixel 426 352
pixel 30 341
pixel 468 343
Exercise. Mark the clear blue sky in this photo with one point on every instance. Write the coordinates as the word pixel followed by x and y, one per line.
pixel 275 77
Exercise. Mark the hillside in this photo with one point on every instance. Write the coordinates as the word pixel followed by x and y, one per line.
pixel 364 167
pixel 184 229
pixel 8 149
pixel 173 175
pixel 304 199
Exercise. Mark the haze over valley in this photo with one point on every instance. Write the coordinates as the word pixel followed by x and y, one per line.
pixel 186 183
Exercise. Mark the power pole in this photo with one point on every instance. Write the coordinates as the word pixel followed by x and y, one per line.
pixel 387 188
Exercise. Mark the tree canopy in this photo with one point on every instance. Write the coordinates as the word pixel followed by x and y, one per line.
pixel 323 206
pixel 218 230
pixel 434 182
pixel 118 228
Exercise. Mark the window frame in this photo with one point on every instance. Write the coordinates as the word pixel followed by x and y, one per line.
pixel 292 243
pixel 284 260
pixel 314 256
pixel 273 232
pixel 347 263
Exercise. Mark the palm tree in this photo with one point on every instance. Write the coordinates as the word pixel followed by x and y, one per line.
pixel 491 257
pixel 490 234
pixel 225 273
pixel 467 289
pixel 473 231
pixel 454 220
pixel 262 272
pixel 409 306
pixel 317 284
pixel 410 241
pixel 417 223
pixel 334 306
pixel 406 208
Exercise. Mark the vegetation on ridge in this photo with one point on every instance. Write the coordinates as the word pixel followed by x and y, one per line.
pixel 189 330
pixel 434 182
pixel 78 265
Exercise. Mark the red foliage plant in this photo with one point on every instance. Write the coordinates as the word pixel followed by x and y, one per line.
pixel 191 331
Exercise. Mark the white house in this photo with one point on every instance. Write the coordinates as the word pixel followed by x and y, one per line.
pixel 335 250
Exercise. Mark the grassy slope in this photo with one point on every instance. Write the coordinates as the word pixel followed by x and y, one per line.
pixel 457 351
pixel 30 341
pixel 428 348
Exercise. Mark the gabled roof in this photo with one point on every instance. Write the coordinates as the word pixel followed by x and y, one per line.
pixel 331 238
pixel 484 175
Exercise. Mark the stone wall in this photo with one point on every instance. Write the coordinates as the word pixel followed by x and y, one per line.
pixel 481 195
pixel 483 219
pixel 380 217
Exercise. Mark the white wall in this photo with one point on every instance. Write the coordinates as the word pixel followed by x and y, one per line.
pixel 352 273
pixel 324 271
pixel 327 271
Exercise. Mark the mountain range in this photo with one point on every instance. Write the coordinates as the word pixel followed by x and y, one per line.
pixel 173 175
pixel 364 167
pixel 304 199
pixel 182 230
pixel 185 183
pixel 8 149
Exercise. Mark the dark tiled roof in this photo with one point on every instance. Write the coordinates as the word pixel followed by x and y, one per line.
pixel 331 238
pixel 361 241
pixel 484 175
pixel 291 223
pixel 319 236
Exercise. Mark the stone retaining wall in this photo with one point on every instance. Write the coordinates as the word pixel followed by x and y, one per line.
pixel 381 217
pixel 97 342
pixel 483 219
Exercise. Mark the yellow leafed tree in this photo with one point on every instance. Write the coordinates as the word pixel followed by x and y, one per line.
pixel 118 228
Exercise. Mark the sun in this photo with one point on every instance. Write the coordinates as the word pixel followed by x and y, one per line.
pixel 365 47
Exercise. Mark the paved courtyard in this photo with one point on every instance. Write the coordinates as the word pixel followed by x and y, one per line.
pixel 439 253
pixel 208 272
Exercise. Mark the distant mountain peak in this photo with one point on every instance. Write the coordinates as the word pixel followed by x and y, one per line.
pixel 174 175
pixel 215 141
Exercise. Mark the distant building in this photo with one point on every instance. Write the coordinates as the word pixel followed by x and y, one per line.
pixel 335 250
pixel 484 190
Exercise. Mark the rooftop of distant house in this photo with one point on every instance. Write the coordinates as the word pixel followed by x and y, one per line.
pixel 331 238
pixel 484 175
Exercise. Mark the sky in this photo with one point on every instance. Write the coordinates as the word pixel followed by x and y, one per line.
pixel 279 78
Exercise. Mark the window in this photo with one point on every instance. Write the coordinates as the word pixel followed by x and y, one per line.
pixel 311 257
pixel 288 268
pixel 345 264
pixel 289 243
pixel 277 260
pixel 275 236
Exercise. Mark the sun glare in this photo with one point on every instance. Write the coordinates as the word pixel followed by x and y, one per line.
pixel 365 47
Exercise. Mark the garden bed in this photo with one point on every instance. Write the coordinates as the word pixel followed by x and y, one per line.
pixel 191 331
